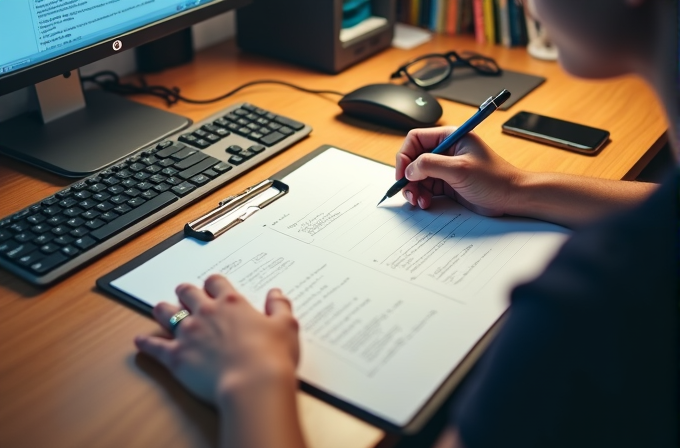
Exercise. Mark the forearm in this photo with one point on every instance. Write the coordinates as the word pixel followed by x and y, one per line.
pixel 261 415
pixel 574 200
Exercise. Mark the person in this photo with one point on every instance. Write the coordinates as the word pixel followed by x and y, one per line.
pixel 586 356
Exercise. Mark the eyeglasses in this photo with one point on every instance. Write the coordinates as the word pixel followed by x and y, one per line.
pixel 431 69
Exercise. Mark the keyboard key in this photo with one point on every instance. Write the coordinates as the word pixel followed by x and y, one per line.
pixel 41 228
pixel 49 248
pixel 8 246
pixel 122 209
pixel 73 211
pixel 69 202
pixel 142 176
pixel 63 240
pixel 79 232
pixel 285 130
pixel 31 258
pixel 48 263
pixel 50 201
pixel 133 216
pixel 170 150
pixel 127 183
pixel 43 238
pixel 24 237
pixel 91 214
pixel 211 173
pixel 236 160
pixel 70 251
pixel 164 144
pixel 161 187
pixel 234 149
pixel 157 178
pixel 136 167
pixel 19 227
pixel 84 194
pixel 87 203
pixel 183 189
pixel 272 138
pixel 222 167
pixel 257 148
pixel 101 196
pixel 188 138
pixel 173 180
pixel 153 169
pixel 61 230
pixel 131 192
pixel 183 154
pixel 148 194
pixel 145 186
pixel 190 161
pixel 256 135
pixel 119 199
pixel 52 210
pixel 94 224
pixel 246 154
pixel 136 202
pixel 200 179
pixel 109 216
pixel 104 207
pixel 221 132
pixel 84 243
pixel 198 168
pixel 111 181
pixel 20 251
pixel 75 222
pixel 96 188
pixel 169 171
pixel 202 143
pixel 36 219
pixel 5 235
pixel 290 123
pixel 56 220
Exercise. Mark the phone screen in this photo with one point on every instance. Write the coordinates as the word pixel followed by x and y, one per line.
pixel 563 134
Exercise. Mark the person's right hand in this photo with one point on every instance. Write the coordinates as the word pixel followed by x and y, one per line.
pixel 469 172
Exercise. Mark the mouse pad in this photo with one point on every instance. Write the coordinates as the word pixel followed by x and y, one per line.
pixel 467 87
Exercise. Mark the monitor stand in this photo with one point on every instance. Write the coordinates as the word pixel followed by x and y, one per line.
pixel 76 133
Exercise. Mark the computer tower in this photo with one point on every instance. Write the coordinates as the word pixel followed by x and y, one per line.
pixel 310 32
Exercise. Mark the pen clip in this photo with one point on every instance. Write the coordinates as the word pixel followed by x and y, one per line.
pixel 235 209
pixel 486 103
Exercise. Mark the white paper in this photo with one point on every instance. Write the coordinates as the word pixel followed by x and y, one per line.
pixel 408 36
pixel 367 25
pixel 389 298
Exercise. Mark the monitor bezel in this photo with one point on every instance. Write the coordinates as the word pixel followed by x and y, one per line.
pixel 70 61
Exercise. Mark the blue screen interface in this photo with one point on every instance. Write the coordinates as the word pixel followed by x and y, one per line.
pixel 34 31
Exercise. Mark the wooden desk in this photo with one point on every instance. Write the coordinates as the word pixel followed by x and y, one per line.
pixel 69 374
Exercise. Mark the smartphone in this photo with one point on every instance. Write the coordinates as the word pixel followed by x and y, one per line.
pixel 552 131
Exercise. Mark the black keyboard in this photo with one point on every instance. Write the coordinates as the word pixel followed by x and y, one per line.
pixel 55 236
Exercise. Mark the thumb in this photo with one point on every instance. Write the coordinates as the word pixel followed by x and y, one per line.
pixel 436 166
pixel 277 304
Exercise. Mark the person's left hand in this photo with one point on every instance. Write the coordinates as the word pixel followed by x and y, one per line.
pixel 226 344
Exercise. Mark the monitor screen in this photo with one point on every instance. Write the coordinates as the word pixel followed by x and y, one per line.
pixel 55 36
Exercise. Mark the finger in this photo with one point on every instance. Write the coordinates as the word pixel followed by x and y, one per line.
pixel 158 348
pixel 436 166
pixel 425 197
pixel 277 304
pixel 163 312
pixel 191 297
pixel 402 162
pixel 410 192
pixel 217 286
pixel 419 141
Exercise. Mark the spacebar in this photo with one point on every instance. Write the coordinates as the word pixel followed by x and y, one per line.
pixel 148 208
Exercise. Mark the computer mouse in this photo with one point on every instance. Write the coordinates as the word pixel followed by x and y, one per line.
pixel 392 105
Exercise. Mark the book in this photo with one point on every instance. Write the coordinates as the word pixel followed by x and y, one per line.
pixel 504 22
pixel 478 11
pixel 489 21
pixel 451 17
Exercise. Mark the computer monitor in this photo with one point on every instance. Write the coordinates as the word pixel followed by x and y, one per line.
pixel 44 42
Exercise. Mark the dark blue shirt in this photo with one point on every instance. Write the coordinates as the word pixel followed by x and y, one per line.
pixel 587 356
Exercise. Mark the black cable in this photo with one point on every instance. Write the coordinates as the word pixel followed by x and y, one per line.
pixel 110 81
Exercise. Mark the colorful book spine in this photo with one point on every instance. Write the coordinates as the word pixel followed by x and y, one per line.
pixel 451 18
pixel 478 10
pixel 415 12
pixel 489 21
pixel 504 22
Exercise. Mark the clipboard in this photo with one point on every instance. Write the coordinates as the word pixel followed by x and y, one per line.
pixel 440 393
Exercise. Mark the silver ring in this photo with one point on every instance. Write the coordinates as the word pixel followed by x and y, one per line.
pixel 177 318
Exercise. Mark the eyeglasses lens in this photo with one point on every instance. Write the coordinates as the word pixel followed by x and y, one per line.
pixel 483 65
pixel 429 71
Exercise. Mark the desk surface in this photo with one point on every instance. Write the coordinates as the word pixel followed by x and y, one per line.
pixel 69 374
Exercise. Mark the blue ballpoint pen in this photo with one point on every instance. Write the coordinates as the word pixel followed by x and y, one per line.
pixel 484 111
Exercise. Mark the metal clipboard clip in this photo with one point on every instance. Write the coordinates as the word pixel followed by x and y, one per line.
pixel 235 209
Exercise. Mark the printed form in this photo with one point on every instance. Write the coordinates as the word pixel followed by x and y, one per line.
pixel 390 299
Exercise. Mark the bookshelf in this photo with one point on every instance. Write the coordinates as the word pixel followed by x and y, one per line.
pixel 500 22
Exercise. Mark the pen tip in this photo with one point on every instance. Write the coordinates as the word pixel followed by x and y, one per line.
pixel 381 201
